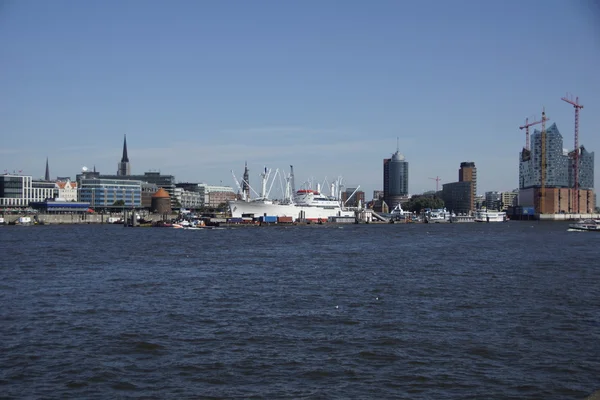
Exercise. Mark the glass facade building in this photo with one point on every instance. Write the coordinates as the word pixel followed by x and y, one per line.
pixel 559 165
pixel 395 179
pixel 100 193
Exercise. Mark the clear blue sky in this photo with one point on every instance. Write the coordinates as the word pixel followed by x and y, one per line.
pixel 199 87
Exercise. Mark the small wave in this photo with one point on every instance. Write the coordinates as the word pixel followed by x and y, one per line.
pixel 147 346
pixel 124 386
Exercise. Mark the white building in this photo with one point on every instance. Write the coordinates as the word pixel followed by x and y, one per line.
pixel 67 190
pixel 20 190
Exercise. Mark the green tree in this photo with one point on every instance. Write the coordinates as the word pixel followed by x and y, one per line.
pixel 418 203
pixel 119 203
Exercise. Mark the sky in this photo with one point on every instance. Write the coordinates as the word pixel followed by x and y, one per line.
pixel 330 87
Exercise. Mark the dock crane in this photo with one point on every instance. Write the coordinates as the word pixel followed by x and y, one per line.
pixel 575 153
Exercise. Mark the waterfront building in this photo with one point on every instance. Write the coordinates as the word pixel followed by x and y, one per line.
pixel 161 203
pixel 458 197
pixel 214 196
pixel 559 176
pixel 468 173
pixel 66 190
pixel 108 193
pixel 20 190
pixel 42 190
pixel 188 199
pixel 167 182
pixel 15 190
pixel 148 190
pixel 395 179
pixel 509 199
pixel 124 168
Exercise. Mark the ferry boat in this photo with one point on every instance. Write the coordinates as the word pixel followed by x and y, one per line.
pixel 306 204
pixel 490 216
pixel 586 225
pixel 437 216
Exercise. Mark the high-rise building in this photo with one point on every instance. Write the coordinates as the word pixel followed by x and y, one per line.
pixel 468 173
pixel 124 168
pixel 558 174
pixel 395 179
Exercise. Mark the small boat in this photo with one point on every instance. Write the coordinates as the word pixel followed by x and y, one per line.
pixel 585 225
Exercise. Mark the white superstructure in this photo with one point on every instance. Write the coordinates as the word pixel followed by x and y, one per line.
pixel 304 204
pixel 490 216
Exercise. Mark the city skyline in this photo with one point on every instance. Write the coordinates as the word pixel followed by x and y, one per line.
pixel 200 88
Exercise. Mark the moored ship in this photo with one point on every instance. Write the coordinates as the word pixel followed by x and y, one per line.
pixel 490 216
pixel 305 204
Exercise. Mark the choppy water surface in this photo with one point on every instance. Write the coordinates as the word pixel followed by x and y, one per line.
pixel 396 311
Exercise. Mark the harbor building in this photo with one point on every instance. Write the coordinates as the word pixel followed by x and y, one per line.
pixel 557 195
pixel 15 190
pixel 509 199
pixel 20 190
pixel 67 190
pixel 161 203
pixel 459 197
pixel 395 179
pixel 110 193
pixel 124 168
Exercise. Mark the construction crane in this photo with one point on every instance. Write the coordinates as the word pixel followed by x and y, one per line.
pixel 543 162
pixel 575 153
pixel 526 127
pixel 437 183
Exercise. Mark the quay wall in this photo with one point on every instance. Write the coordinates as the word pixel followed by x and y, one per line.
pixel 72 218
pixel 567 217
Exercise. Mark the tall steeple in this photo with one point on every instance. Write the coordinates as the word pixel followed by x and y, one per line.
pixel 47 176
pixel 123 168
pixel 124 158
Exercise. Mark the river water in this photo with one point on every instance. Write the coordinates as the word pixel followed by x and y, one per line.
pixel 458 311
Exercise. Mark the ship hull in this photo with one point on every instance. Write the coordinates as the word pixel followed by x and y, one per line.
pixel 257 209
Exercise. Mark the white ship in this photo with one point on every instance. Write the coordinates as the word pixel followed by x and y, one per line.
pixel 490 216
pixel 305 204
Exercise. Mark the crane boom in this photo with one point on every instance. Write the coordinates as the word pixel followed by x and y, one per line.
pixel 526 127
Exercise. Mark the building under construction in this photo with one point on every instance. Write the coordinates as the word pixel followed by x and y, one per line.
pixel 554 180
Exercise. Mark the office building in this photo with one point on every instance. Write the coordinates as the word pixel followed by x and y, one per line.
pixel 468 173
pixel 395 179
pixel 111 193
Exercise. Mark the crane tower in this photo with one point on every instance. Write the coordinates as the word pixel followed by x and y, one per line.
pixel 575 154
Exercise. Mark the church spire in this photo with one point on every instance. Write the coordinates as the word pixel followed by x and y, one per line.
pixel 47 176
pixel 125 158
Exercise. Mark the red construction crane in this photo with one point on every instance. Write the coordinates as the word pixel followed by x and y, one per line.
pixel 575 153
pixel 437 183
pixel 543 162
pixel 526 127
